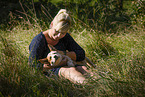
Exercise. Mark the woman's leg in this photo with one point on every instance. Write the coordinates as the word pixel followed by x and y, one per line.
pixel 72 74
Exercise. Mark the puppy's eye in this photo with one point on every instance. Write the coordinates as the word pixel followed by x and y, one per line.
pixel 52 62
pixel 56 57
pixel 50 57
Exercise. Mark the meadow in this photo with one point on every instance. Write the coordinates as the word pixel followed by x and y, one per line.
pixel 115 42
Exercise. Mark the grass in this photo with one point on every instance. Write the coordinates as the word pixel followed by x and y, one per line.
pixel 120 60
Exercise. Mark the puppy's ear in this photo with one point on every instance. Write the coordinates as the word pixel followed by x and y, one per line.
pixel 52 48
pixel 44 61
pixel 50 26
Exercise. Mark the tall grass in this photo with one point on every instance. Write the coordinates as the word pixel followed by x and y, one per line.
pixel 120 60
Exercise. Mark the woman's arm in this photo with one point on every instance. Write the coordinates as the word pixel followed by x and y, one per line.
pixel 72 55
pixel 75 51
pixel 36 51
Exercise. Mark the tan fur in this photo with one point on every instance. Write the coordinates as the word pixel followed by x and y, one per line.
pixel 85 62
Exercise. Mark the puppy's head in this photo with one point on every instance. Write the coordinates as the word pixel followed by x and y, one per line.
pixel 54 58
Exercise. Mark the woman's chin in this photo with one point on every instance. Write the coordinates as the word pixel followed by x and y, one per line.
pixel 56 39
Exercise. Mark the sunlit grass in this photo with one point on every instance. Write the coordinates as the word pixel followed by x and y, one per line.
pixel 119 57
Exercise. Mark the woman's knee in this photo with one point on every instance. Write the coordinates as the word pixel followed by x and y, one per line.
pixel 72 74
pixel 66 70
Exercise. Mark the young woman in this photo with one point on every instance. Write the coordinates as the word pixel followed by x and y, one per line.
pixel 58 37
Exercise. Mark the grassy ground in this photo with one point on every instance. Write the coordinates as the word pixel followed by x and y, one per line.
pixel 119 56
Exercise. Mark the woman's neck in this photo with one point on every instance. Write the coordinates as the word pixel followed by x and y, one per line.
pixel 49 39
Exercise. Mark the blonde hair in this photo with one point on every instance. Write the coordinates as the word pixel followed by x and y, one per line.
pixel 62 21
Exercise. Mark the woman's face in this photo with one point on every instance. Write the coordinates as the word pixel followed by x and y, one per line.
pixel 56 35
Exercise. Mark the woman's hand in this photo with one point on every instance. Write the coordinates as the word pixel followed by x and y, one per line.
pixel 71 54
pixel 61 52
pixel 47 66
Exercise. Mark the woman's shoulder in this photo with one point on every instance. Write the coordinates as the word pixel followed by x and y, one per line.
pixel 38 39
pixel 67 36
pixel 38 36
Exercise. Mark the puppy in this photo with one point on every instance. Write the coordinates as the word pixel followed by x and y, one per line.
pixel 54 58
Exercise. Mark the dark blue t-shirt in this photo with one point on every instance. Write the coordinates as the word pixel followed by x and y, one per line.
pixel 38 48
